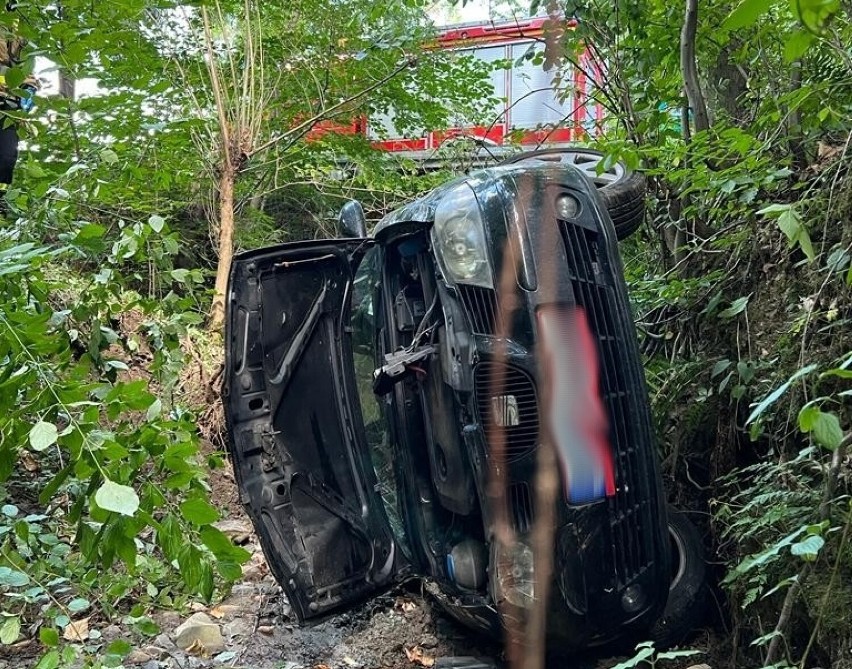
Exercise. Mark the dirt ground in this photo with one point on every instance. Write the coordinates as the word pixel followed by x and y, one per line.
pixel 399 630
pixel 402 629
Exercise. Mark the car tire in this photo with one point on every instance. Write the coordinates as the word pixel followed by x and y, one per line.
pixel 685 608
pixel 625 203
pixel 622 190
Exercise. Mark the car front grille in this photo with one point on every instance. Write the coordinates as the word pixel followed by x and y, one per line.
pixel 521 507
pixel 631 513
pixel 506 401
pixel 481 307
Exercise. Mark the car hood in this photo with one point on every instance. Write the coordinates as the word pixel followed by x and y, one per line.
pixel 421 211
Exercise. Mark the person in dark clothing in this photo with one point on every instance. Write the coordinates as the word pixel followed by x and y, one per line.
pixel 8 154
pixel 20 99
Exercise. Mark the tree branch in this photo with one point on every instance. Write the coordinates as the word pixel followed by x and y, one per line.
pixel 689 68
pixel 306 126
pixel 217 89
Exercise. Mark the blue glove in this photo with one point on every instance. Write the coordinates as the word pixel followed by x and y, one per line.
pixel 27 100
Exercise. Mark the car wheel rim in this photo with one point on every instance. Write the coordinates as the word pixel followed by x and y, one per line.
pixel 587 163
pixel 679 549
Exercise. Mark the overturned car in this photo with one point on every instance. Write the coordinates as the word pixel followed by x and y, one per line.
pixel 387 397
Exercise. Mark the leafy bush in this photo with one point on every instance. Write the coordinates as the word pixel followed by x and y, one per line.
pixel 99 465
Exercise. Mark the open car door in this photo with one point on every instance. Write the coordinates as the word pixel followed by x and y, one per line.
pixel 295 428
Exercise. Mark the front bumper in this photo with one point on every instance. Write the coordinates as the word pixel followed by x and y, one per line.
pixel 611 561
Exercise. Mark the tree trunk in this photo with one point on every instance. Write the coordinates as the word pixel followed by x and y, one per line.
pixel 226 245
pixel 689 68
pixel 795 139
pixel 729 84
pixel 67 84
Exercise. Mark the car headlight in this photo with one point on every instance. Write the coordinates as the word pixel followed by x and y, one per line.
pixel 459 238
pixel 515 571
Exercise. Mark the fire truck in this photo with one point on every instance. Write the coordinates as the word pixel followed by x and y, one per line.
pixel 530 114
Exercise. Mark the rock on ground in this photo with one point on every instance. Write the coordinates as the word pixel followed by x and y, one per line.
pixel 200 635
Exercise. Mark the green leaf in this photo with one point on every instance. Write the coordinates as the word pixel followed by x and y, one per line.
pixel 169 537
pixel 49 636
pixel 774 209
pixel 221 546
pixel 772 397
pixel 154 410
pixel 745 14
pixel 720 367
pixel 109 156
pixel 119 498
pixel 794 229
pixel 13 578
pixel 199 511
pixel 817 528
pixel 10 630
pixel 737 307
pixel 230 571
pixel 758 559
pixel 89 232
pixel 785 583
pixel 180 274
pixel 807 247
pixel 815 14
pixel 49 661
pixel 206 584
pixel 156 223
pixel 674 654
pixel 745 371
pixel 146 626
pixel 796 45
pixel 808 548
pixel 825 427
pixel 78 604
pixel 728 186
pixel 636 660
pixel 827 431
pixel 790 224
pixel 119 647
pixel 763 639
pixel 807 417
pixel 43 435
pixel 9 510
pixel 189 561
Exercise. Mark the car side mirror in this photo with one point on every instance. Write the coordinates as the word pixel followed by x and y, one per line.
pixel 351 222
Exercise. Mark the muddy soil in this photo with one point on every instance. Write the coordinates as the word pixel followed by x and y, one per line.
pixel 397 630
pixel 253 626
pixel 403 629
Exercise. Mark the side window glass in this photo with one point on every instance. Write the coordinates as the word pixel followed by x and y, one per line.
pixel 365 326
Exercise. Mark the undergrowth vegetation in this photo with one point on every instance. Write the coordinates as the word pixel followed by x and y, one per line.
pixel 99 457
pixel 742 285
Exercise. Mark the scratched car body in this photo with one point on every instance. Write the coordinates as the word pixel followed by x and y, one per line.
pixel 388 397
